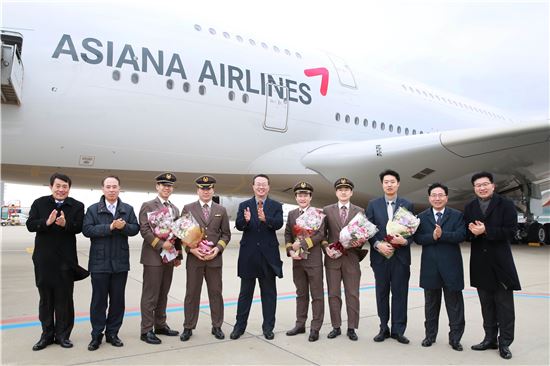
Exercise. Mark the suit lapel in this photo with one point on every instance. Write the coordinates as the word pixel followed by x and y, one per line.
pixel 492 205
pixel 196 211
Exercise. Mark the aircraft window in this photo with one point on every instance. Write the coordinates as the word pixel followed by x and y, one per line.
pixel 455 103
pixel 418 91
pixel 356 121
pixel 337 116
pixel 245 98
pixel 170 84
pixel 423 92
pixel 116 75
pixel 382 126
pixel 264 45
pixel 231 95
pixel 226 35
pixel 407 131
pixel 186 87
pixel 414 132
pixel 437 96
pixel 198 27
pixel 399 129
pixel 404 87
pixel 135 78
pixel 252 42
pixel 202 90
pixel 239 38
pixel 431 95
pixel 411 89
pixel 347 118
pixel 287 52
pixel 391 128
pixel 298 55
pixel 366 122
pixel 212 31
pixel 276 49
pixel 373 124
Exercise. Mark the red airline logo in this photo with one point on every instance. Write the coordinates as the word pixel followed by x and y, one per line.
pixel 324 77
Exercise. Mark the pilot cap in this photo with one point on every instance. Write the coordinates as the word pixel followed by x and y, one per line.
pixel 303 187
pixel 343 183
pixel 166 178
pixel 205 182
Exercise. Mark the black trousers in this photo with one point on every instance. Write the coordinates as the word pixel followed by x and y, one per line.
pixel 268 292
pixel 56 308
pixel 497 309
pixel 107 287
pixel 454 303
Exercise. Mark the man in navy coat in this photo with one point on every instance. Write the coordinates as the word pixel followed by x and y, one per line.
pixel 258 218
pixel 393 273
pixel 440 233
pixel 492 221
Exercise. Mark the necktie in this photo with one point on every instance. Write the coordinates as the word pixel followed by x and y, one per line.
pixel 390 210
pixel 167 205
pixel 260 204
pixel 111 208
pixel 205 212
pixel 58 204
pixel 301 212
pixel 343 214
pixel 438 221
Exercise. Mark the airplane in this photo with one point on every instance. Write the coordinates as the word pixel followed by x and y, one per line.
pixel 92 94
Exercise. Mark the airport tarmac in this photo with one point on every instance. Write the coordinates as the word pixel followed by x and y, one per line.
pixel 20 328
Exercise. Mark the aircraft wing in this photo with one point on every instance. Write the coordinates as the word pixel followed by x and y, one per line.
pixel 520 151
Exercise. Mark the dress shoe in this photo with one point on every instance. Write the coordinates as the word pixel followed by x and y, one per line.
pixel 313 335
pixel 400 338
pixel 236 333
pixel 484 345
pixel 167 331
pixel 150 338
pixel 65 343
pixel 456 346
pixel 94 344
pixel 187 333
pixel 505 352
pixel 427 342
pixel 335 332
pixel 42 343
pixel 380 337
pixel 114 340
pixel 351 334
pixel 296 330
pixel 217 332
pixel 268 334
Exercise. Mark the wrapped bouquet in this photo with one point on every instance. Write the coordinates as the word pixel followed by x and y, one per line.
pixel 188 230
pixel 306 225
pixel 404 223
pixel 161 223
pixel 359 229
pixel 205 247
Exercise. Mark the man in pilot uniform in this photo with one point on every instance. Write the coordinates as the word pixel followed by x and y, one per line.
pixel 345 268
pixel 307 273
pixel 214 220
pixel 157 276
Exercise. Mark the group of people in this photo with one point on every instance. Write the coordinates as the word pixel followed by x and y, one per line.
pixel 488 222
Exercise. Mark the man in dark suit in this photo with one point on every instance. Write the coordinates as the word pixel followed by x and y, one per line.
pixel 390 274
pixel 56 219
pixel 108 223
pixel 214 220
pixel 492 221
pixel 440 233
pixel 307 271
pixel 157 276
pixel 258 218
pixel 346 267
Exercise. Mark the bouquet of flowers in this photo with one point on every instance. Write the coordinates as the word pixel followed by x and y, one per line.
pixel 359 229
pixel 188 230
pixel 404 223
pixel 168 255
pixel 161 223
pixel 306 225
pixel 205 247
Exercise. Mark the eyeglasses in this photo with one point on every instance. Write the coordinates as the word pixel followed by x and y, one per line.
pixel 440 195
pixel 482 185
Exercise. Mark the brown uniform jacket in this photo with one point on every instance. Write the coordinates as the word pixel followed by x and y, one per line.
pixel 312 244
pixel 152 246
pixel 333 226
pixel 216 230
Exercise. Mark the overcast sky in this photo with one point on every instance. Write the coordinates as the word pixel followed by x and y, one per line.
pixel 494 52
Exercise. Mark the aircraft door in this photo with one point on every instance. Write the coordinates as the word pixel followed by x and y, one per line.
pixel 276 108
